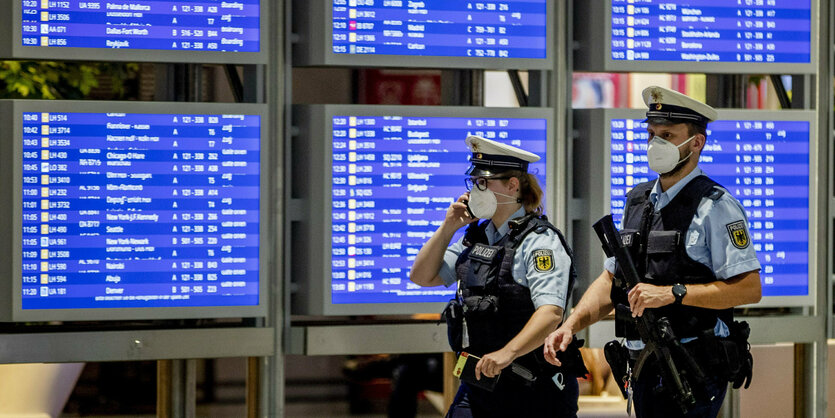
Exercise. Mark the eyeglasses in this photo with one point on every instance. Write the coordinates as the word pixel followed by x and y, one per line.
pixel 480 182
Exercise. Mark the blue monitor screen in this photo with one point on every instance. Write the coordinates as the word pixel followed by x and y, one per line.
pixel 756 31
pixel 393 179
pixel 764 164
pixel 140 210
pixel 491 29
pixel 181 25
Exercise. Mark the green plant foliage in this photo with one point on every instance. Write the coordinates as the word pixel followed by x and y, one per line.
pixel 61 80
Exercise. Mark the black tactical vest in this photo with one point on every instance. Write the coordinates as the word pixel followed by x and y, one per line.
pixel 656 241
pixel 496 308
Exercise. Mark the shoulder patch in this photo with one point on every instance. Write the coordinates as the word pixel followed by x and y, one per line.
pixel 738 234
pixel 543 260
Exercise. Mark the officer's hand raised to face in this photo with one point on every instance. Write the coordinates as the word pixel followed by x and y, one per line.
pixel 457 214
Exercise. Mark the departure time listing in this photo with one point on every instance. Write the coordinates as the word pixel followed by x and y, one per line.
pixel 764 164
pixel 182 25
pixel 393 179
pixel 139 210
pixel 488 29
pixel 755 31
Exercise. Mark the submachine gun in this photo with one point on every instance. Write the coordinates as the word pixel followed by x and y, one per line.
pixel 657 333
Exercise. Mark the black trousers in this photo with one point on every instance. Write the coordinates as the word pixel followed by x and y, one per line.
pixel 652 398
pixel 650 402
pixel 512 399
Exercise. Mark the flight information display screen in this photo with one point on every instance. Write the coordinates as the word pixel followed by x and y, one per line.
pixel 181 25
pixel 140 210
pixel 488 29
pixel 764 164
pixel 393 179
pixel 753 31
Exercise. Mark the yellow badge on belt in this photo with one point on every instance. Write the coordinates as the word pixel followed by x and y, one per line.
pixel 739 234
pixel 544 260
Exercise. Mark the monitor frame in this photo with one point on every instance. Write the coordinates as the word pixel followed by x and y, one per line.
pixel 11 124
pixel 593 144
pixel 313 24
pixel 310 222
pixel 11 47
pixel 589 34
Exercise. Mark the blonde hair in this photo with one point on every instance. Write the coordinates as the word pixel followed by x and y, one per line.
pixel 530 193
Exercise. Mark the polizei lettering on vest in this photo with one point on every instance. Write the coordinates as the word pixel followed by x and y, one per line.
pixel 485 252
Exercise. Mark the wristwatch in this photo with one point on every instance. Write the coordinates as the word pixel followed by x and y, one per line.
pixel 679 290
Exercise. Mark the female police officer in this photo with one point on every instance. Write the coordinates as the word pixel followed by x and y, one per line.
pixel 514 273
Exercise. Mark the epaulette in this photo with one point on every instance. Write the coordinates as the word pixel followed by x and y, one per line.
pixel 715 194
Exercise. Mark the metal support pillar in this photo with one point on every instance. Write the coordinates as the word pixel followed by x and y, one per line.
pixel 450 383
pixel 275 88
pixel 538 89
pixel 254 90
pixel 553 88
pixel 726 90
pixel 176 388
pixel 730 407
pixel 254 395
pixel 179 83
pixel 462 87
pixel 820 96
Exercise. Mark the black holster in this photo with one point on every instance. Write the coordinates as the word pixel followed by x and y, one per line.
pixel 728 357
pixel 740 331
pixel 618 358
pixel 453 314
pixel 572 359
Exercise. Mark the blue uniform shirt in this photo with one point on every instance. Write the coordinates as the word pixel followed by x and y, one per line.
pixel 547 287
pixel 708 240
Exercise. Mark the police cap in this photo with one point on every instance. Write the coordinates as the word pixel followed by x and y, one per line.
pixel 676 107
pixel 491 157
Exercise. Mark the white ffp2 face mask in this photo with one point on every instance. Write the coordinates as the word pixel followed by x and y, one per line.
pixel 662 155
pixel 483 203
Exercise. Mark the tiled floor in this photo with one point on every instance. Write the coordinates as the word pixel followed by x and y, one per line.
pixel 331 409
pixel 340 409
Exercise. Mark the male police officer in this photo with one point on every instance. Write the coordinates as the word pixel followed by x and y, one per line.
pixel 689 240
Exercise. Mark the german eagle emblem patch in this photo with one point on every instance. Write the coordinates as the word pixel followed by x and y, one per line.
pixel 738 234
pixel 544 260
